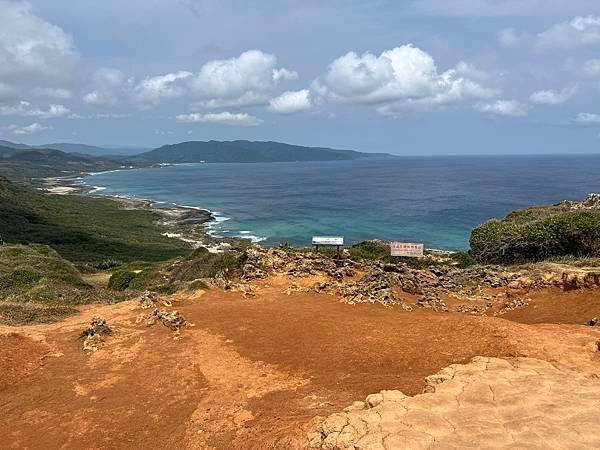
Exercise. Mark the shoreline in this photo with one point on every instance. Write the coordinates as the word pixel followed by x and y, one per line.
pixel 187 223
pixel 190 224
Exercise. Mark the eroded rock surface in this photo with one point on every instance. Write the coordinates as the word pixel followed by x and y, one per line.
pixel 488 403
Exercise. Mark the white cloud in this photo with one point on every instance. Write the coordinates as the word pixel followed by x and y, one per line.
pixel 291 102
pixel 588 119
pixel 111 88
pixel 25 109
pixel 100 98
pixel 153 89
pixel 284 75
pixel 225 118
pixel 33 52
pixel 578 32
pixel 403 77
pixel 550 97
pixel 97 116
pixel 251 77
pixel 29 129
pixel 508 108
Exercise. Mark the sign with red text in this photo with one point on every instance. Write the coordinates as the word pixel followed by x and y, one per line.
pixel 408 249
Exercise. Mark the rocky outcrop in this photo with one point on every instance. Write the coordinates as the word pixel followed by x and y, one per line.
pixel 523 403
pixel 385 283
pixel 94 336
pixel 592 201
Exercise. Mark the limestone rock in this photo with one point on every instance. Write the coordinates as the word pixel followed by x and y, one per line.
pixel 490 402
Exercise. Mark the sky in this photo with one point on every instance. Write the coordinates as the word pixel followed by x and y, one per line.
pixel 409 77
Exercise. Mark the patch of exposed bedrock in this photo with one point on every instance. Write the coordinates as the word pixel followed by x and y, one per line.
pixel 383 283
pixel 488 403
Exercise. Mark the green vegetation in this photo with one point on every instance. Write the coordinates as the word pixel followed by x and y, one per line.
pixel 181 273
pixel 244 152
pixel 26 164
pixel 536 234
pixel 121 279
pixel 197 253
pixel 37 285
pixel 371 251
pixel 83 229
pixel 197 285
pixel 463 259
pixel 207 266
pixel 36 272
pixel 25 313
pixel 380 251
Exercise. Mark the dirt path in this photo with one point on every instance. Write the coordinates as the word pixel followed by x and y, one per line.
pixel 251 374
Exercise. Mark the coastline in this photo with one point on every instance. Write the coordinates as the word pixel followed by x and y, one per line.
pixel 186 223
pixel 194 225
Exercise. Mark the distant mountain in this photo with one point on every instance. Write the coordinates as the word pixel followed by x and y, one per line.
pixel 37 163
pixel 244 152
pixel 84 149
pixel 76 148
pixel 14 145
pixel 94 150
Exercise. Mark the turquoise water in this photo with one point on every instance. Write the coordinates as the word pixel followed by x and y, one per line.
pixel 434 200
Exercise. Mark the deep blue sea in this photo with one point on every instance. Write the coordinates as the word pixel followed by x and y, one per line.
pixel 434 200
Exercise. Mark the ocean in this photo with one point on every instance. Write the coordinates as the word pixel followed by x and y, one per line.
pixel 431 200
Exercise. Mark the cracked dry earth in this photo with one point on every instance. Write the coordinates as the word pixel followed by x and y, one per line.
pixel 279 371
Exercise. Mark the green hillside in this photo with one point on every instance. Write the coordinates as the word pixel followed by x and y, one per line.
pixel 83 229
pixel 27 164
pixel 244 152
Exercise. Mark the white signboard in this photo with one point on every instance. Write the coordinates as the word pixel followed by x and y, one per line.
pixel 328 240
pixel 407 249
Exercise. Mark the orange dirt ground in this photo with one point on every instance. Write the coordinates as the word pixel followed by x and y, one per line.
pixel 253 373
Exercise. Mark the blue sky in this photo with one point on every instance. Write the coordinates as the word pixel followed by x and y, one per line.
pixel 411 77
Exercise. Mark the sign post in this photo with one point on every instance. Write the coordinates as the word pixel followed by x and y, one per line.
pixel 332 241
pixel 407 249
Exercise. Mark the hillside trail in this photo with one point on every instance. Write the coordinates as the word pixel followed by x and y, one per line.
pixel 264 372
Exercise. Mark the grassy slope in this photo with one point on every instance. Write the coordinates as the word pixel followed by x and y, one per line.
pixel 37 285
pixel 83 229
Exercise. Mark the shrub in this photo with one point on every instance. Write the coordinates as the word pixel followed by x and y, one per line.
pixel 380 251
pixel 463 259
pixel 207 266
pixel 197 285
pixel 165 289
pixel 523 237
pixel 144 279
pixel 197 253
pixel 121 279
pixel 107 264
pixel 370 251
